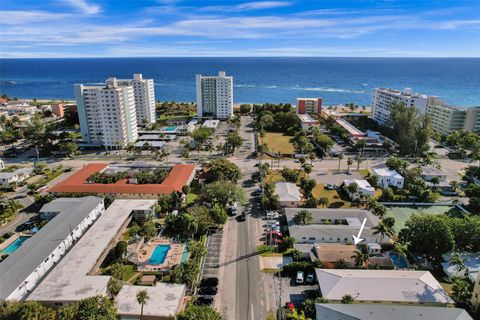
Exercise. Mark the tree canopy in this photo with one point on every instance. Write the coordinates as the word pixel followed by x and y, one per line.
pixel 222 169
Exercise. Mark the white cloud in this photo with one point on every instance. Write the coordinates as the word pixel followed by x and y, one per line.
pixel 26 17
pixel 84 6
pixel 246 6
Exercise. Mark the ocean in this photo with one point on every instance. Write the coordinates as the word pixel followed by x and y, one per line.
pixel 256 80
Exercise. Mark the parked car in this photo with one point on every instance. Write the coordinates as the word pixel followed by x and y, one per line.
pixel 233 209
pixel 272 215
pixel 349 172
pixel 310 277
pixel 299 278
pixel 208 290
pixel 243 216
pixel 209 282
pixel 274 234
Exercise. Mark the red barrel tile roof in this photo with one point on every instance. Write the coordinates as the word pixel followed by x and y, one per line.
pixel 178 177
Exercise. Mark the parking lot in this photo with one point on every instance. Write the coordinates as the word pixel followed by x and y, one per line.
pixel 210 267
pixel 292 292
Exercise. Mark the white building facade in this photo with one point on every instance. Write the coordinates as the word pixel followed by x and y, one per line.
pixel 383 98
pixel 144 95
pixel 388 178
pixel 214 96
pixel 23 269
pixel 107 114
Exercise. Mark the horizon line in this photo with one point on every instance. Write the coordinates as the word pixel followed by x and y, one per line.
pixel 356 57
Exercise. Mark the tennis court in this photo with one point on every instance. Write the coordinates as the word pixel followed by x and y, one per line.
pixel 403 213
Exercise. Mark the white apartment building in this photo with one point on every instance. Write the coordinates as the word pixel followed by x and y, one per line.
pixel 107 114
pixel 382 99
pixel 214 96
pixel 24 268
pixel 144 94
pixel 388 178
pixel 446 119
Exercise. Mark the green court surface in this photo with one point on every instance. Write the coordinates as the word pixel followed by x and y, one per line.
pixel 402 214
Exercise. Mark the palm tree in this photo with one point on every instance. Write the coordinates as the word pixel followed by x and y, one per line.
pixel 307 168
pixel 340 157
pixel 382 230
pixel 360 258
pixel 303 217
pixel 324 201
pixel 312 157
pixel 401 249
pixel 352 188
pixel 380 211
pixel 371 203
pixel 456 260
pixel 349 163
pixel 190 224
pixel 142 298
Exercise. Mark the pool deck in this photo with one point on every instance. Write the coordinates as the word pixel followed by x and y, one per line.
pixel 174 255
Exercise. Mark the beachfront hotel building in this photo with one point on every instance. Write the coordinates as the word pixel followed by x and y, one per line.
pixel 107 114
pixel 214 96
pixel 446 119
pixel 25 267
pixel 310 106
pixel 144 95
pixel 383 98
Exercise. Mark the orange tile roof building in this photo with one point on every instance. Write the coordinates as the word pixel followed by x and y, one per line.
pixel 180 175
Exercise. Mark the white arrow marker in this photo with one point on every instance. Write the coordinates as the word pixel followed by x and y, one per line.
pixel 357 238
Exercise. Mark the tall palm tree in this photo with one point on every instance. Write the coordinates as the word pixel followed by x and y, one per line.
pixel 190 224
pixel 382 230
pixel 349 163
pixel 303 217
pixel 142 298
pixel 401 249
pixel 360 258
pixel 340 157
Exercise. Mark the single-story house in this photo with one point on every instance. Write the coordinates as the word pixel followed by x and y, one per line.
pixel 443 185
pixel 288 194
pixel 471 263
pixel 166 299
pixel 388 178
pixel 18 175
pixel 333 226
pixel 382 286
pixel 338 311
pixel 364 188
pixel 428 173
pixel 329 253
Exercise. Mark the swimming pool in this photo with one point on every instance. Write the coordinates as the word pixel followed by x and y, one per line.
pixel 14 245
pixel 398 260
pixel 184 255
pixel 170 129
pixel 159 254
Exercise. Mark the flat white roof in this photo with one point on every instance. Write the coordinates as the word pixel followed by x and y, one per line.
pixel 381 285
pixel 349 127
pixel 362 184
pixel 306 118
pixel 211 124
pixel 385 172
pixel 70 280
pixel 165 300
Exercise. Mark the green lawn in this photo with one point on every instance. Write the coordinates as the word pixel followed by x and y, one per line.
pixel 335 199
pixel 277 142
pixel 402 214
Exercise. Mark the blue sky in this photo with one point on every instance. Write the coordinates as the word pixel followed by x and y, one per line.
pixel 128 28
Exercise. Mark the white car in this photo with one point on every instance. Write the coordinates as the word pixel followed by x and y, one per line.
pixel 300 277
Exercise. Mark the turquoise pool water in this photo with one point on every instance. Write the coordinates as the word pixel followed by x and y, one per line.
pixel 159 254
pixel 398 260
pixel 184 255
pixel 14 245
pixel 170 128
